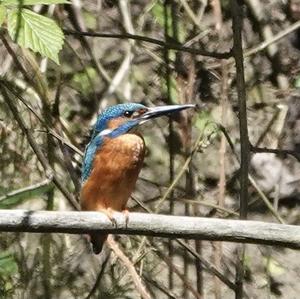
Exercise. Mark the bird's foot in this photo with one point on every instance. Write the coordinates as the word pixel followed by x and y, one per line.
pixel 126 213
pixel 109 213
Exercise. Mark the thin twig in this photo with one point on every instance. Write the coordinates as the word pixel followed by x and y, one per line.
pixel 274 39
pixel 99 277
pixel 208 266
pixel 253 182
pixel 276 151
pixel 36 148
pixel 130 267
pixel 157 42
pixel 186 283
pixel 237 24
pixel 30 191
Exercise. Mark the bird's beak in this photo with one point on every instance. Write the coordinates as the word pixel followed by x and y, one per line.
pixel 163 110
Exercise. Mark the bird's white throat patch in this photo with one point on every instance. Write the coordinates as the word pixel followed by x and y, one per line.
pixel 105 132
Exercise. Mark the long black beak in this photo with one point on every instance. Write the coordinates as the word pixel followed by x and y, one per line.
pixel 163 110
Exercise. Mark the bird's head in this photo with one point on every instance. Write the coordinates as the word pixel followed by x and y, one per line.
pixel 119 119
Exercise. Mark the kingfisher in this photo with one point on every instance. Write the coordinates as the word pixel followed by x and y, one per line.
pixel 114 157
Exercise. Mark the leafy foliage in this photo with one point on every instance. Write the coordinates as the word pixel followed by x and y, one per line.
pixel 8 267
pixel 31 30
pixel 2 13
pixel 36 32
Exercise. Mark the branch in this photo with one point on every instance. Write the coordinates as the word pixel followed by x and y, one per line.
pixel 237 25
pixel 50 174
pixel 258 150
pixel 169 45
pixel 151 225
pixel 272 40
pixel 130 267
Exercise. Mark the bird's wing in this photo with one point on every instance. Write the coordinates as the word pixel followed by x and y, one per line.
pixel 89 155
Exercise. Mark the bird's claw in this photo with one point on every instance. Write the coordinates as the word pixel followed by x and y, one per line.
pixel 109 214
pixel 126 213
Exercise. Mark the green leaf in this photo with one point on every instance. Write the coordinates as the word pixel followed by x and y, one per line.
pixel 39 33
pixel 165 19
pixel 32 2
pixel 8 265
pixel 2 14
pixel 274 267
pixel 83 80
pixel 17 197
pixel 297 82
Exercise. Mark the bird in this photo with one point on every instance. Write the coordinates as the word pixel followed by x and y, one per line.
pixel 114 157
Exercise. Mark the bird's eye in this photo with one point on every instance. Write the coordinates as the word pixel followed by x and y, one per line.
pixel 128 113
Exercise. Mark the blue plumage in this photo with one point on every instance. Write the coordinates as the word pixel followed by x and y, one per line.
pixel 101 125
pixel 114 112
pixel 89 155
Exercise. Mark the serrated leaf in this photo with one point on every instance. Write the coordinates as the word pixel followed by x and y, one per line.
pixel 2 14
pixel 32 2
pixel 39 33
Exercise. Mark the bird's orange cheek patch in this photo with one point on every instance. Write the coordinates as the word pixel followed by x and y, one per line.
pixel 115 123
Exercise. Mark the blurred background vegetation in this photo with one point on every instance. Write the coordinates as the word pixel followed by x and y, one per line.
pixel 60 96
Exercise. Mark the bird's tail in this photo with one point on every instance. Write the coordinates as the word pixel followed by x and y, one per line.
pixel 97 242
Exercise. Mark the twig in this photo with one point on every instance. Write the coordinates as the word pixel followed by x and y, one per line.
pixel 14 57
pixel 218 252
pixel 160 287
pixel 99 277
pixel 208 204
pixel 180 174
pixel 208 267
pixel 272 40
pixel 265 200
pixel 174 269
pixel 35 147
pixel 27 192
pixel 262 46
pixel 190 13
pixel 170 23
pixel 252 181
pixel 237 23
pixel 76 19
pixel 130 267
pixel 157 42
pixel 32 110
pixel 258 14
pixel 276 151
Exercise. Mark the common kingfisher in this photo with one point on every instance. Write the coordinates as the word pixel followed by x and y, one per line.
pixel 114 158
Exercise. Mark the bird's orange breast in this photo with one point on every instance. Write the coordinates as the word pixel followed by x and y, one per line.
pixel 114 173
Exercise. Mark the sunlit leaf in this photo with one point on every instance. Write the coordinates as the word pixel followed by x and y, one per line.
pixel 39 33
pixel 8 265
pixel 274 267
pixel 2 14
